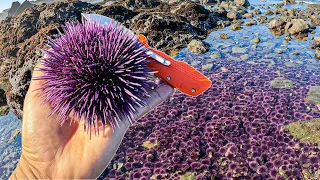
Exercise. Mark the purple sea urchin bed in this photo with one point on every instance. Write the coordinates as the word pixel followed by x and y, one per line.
pixel 235 129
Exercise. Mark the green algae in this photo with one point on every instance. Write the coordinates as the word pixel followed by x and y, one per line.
pixel 306 131
pixel 313 95
pixel 149 145
pixel 4 110
pixel 188 176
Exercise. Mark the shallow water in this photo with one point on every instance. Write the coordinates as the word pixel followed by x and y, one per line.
pixel 247 73
pixel 9 150
pixel 256 2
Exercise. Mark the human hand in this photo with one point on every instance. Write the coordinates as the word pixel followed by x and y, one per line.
pixel 53 152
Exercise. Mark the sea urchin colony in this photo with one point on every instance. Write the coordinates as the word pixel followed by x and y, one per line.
pixel 237 129
pixel 97 72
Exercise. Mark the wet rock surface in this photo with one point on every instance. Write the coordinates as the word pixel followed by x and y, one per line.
pixel 281 82
pixel 4 108
pixel 306 131
pixel 197 47
pixel 313 95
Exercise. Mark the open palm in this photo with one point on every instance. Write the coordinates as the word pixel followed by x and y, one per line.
pixel 51 151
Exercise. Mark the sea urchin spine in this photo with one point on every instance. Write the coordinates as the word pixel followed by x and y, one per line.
pixel 96 72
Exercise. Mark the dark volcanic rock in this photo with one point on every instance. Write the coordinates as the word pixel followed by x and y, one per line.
pixel 164 30
pixel 191 11
pixel 14 7
pixel 118 13
pixel 4 108
pixel 136 4
pixel 25 5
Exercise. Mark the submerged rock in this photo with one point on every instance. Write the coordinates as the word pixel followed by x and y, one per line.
pixel 269 12
pixel 255 40
pixel 207 67
pixel 194 63
pixel 279 51
pixel 262 19
pixel 306 131
pixel 315 45
pixel 317 55
pixel 317 39
pixel 313 95
pixel 244 57
pixel 197 46
pixel 14 134
pixel 188 176
pixel 239 50
pixel 215 55
pixel 297 26
pixel 251 23
pixel 281 83
pixel 224 36
pixel 277 25
pixel 235 27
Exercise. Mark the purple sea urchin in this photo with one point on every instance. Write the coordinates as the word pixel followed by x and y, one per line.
pixel 97 72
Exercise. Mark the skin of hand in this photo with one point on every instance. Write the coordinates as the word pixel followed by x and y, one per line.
pixel 53 152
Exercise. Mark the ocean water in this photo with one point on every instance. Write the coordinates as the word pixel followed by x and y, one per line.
pixel 241 76
pixel 10 150
pixel 255 2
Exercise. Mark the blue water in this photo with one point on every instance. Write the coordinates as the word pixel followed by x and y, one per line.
pixel 255 2
pixel 9 150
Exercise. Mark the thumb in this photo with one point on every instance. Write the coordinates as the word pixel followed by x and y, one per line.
pixel 157 96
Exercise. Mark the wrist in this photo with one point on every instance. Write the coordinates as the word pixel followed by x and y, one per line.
pixel 23 171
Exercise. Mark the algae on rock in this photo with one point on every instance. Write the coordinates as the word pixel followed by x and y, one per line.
pixel 282 83
pixel 188 176
pixel 313 95
pixel 306 131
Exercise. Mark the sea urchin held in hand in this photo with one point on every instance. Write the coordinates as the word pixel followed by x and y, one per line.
pixel 96 72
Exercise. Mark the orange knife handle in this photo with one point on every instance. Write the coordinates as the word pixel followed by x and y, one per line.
pixel 178 74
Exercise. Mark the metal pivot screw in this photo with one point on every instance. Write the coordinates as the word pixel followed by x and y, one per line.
pixel 168 78
pixel 193 90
